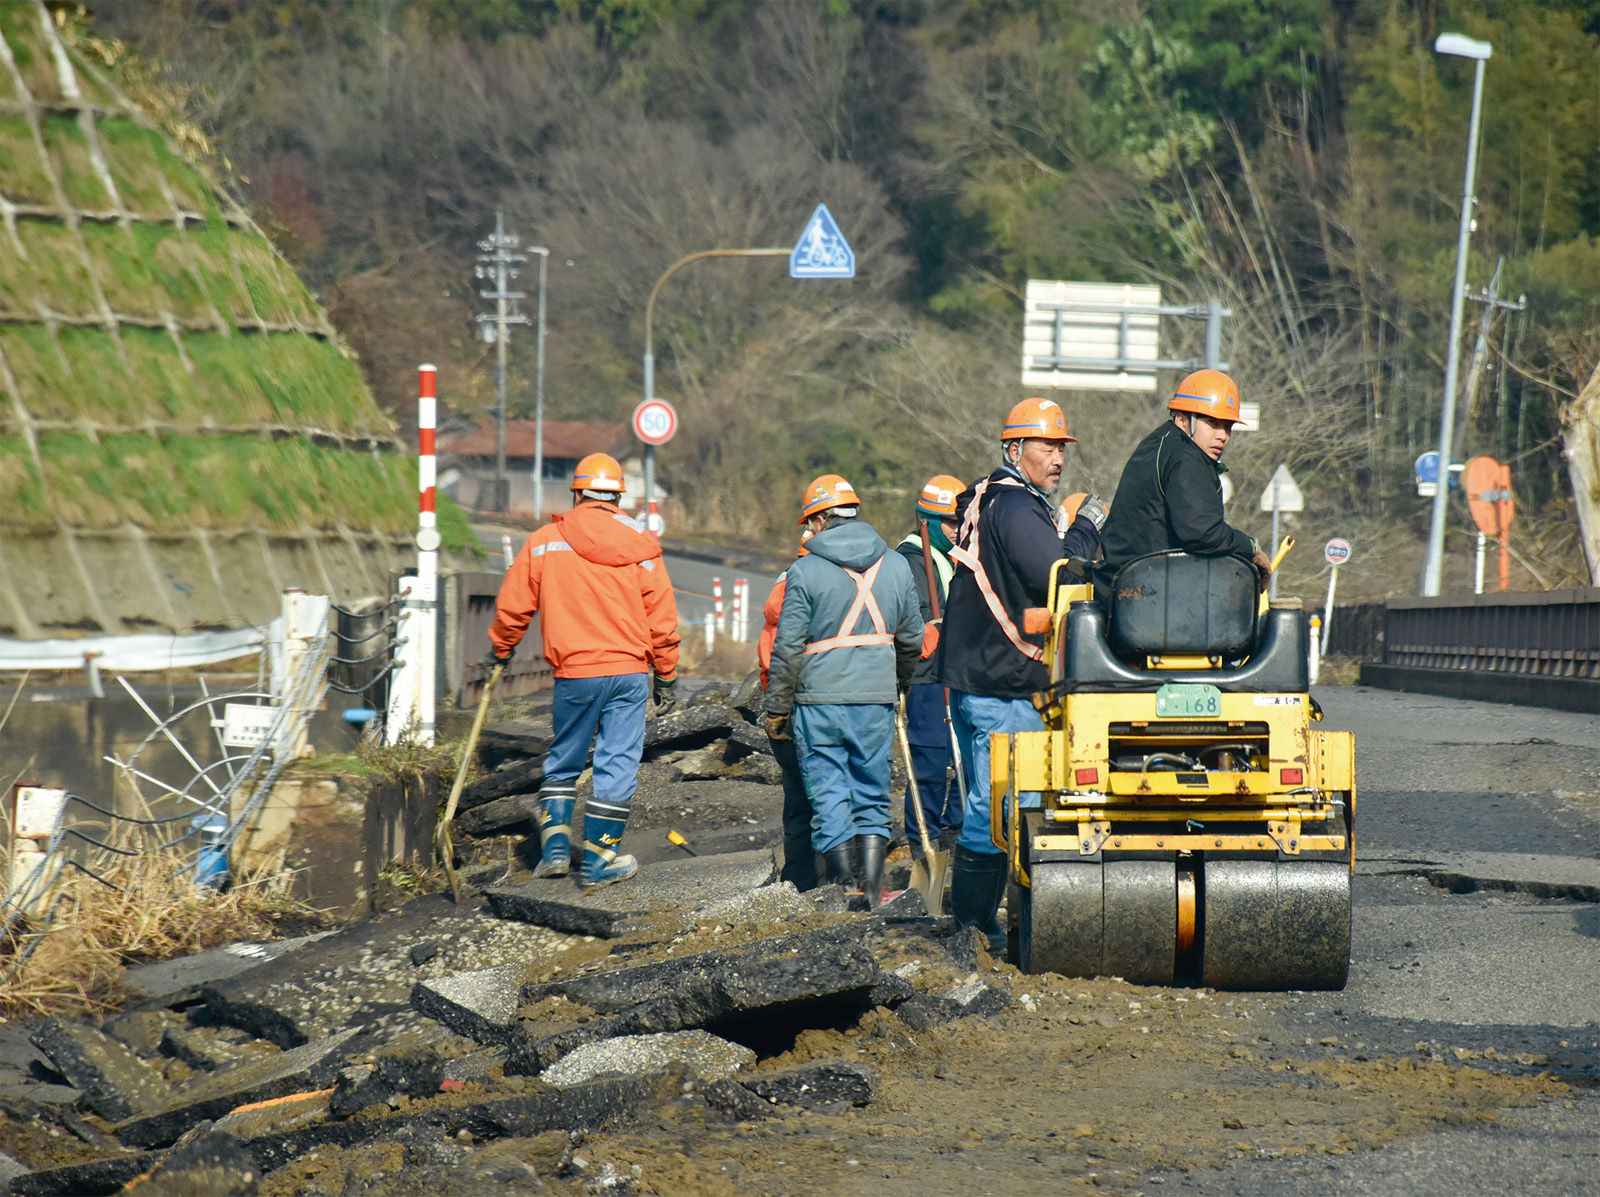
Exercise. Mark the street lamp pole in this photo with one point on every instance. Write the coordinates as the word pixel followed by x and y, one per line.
pixel 649 342
pixel 1462 47
pixel 498 264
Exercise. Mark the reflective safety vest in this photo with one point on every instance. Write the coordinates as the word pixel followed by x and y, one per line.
pixel 966 552
pixel 865 601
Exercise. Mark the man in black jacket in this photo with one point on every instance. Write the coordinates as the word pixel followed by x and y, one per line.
pixel 1170 495
pixel 1006 544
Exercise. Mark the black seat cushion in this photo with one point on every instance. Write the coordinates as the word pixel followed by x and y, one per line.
pixel 1171 602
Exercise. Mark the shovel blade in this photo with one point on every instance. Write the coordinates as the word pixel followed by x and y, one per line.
pixel 927 878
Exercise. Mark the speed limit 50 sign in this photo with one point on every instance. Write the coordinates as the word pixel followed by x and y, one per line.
pixel 655 422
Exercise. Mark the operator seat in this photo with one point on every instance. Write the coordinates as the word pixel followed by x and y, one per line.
pixel 1172 602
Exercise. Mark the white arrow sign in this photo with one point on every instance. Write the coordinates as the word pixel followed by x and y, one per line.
pixel 1282 493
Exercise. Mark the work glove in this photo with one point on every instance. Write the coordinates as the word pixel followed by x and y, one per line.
pixel 777 726
pixel 493 658
pixel 930 640
pixel 1263 565
pixel 666 698
pixel 1094 510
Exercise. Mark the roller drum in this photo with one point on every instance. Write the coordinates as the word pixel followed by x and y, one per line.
pixel 1271 924
pixel 1141 921
pixel 1063 919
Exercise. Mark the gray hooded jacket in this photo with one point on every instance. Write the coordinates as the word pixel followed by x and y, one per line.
pixel 872 665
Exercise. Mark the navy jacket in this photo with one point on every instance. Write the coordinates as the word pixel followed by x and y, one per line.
pixel 1170 497
pixel 817 596
pixel 1017 545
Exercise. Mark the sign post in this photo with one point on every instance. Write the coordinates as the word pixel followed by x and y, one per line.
pixel 1282 494
pixel 1336 552
pixel 821 252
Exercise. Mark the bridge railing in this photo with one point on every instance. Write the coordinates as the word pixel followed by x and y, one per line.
pixel 1538 648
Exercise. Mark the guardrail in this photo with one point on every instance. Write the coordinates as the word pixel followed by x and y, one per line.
pixel 1536 648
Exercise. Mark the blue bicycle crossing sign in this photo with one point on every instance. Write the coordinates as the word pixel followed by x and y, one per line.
pixel 822 251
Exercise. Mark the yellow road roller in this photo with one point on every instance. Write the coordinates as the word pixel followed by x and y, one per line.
pixel 1179 820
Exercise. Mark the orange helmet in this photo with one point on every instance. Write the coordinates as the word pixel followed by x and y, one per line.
pixel 1036 420
pixel 1208 393
pixel 938 497
pixel 824 494
pixel 598 471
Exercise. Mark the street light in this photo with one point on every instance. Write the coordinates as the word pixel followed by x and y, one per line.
pixel 1461 47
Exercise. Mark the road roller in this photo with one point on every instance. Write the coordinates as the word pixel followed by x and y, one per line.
pixel 1179 820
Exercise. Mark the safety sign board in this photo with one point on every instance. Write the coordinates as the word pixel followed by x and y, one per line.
pixel 822 251
pixel 1336 551
pixel 245 726
pixel 655 421
pixel 1282 493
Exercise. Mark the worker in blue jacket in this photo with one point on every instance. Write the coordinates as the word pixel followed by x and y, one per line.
pixel 1006 544
pixel 848 638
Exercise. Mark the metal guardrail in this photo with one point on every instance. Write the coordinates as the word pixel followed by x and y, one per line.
pixel 1553 634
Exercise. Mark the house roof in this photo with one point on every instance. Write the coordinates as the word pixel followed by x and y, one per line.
pixel 562 438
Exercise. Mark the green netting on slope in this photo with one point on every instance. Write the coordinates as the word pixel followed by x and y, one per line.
pixel 217 482
pixel 23 178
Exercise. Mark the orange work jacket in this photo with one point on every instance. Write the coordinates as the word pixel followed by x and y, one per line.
pixel 601 589
pixel 769 629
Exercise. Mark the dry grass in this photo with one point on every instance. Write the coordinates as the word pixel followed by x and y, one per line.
pixel 155 912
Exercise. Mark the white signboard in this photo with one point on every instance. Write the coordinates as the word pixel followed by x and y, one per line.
pixel 1050 332
pixel 1282 493
pixel 246 726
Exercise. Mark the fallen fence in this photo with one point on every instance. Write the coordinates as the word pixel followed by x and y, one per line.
pixel 1535 649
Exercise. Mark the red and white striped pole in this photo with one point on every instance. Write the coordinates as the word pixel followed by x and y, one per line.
pixel 737 583
pixel 716 601
pixel 411 690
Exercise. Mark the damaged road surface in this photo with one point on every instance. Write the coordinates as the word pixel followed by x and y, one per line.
pixel 705 1029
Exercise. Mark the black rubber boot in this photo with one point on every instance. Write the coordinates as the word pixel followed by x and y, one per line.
pixel 978 882
pixel 873 849
pixel 840 864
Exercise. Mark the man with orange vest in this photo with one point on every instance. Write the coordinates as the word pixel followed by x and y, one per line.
pixel 927 552
pixel 1006 544
pixel 609 621
pixel 848 638
pixel 799 857
pixel 1170 495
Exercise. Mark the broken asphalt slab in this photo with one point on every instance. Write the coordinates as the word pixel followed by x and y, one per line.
pixel 309 1067
pixel 480 1004
pixel 816 1085
pixel 108 1174
pixel 753 992
pixel 669 885
pixel 116 1084
pixel 709 1057
pixel 1553 878
pixel 170 978
pixel 367 967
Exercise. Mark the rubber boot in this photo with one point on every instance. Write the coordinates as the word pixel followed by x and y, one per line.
pixel 555 830
pixel 978 882
pixel 603 824
pixel 873 849
pixel 839 864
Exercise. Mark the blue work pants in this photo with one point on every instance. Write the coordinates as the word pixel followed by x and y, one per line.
pixel 976 718
pixel 929 737
pixel 613 707
pixel 844 759
pixel 799 858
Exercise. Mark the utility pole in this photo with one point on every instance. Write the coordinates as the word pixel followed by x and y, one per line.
pixel 498 265
pixel 1489 297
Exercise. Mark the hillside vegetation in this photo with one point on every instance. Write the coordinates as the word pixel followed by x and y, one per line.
pixel 1299 160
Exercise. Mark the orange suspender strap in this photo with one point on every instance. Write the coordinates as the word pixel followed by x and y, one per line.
pixel 865 601
pixel 969 557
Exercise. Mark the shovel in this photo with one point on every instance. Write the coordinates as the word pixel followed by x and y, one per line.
pixel 927 874
pixel 442 843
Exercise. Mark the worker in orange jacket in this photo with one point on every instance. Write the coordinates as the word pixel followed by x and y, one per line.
pixel 609 620
pixel 799 857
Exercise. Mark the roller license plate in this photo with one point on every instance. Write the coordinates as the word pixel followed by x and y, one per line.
pixel 1188 700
